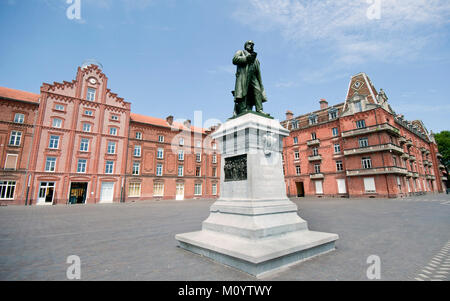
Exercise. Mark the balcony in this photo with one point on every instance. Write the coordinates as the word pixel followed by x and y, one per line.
pixel 315 158
pixel 439 155
pixel 428 177
pixel 433 178
pixel 375 148
pixel 409 174
pixel 441 166
pixel 412 158
pixel 405 156
pixel 372 129
pixel 443 178
pixel 425 162
pixel 423 149
pixel 415 175
pixel 402 140
pixel 409 143
pixel 313 142
pixel 377 171
pixel 317 176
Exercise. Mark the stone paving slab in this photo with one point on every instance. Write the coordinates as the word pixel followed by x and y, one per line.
pixel 136 241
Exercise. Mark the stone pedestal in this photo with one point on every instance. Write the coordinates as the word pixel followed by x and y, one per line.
pixel 253 226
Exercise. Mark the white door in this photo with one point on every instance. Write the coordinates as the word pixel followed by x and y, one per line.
pixel 46 193
pixel 342 188
pixel 180 192
pixel 369 185
pixel 409 186
pixel 107 192
pixel 319 187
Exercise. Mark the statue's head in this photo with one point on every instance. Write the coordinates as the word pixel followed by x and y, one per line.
pixel 249 45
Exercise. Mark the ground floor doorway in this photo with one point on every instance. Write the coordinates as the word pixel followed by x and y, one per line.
pixel 46 193
pixel 300 189
pixel 107 192
pixel 78 193
pixel 180 192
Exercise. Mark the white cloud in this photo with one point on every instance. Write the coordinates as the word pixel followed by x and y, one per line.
pixel 341 27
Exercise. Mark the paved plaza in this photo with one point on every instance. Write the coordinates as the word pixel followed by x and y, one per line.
pixel 136 241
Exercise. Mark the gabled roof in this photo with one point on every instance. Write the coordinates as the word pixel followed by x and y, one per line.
pixel 19 95
pixel 163 123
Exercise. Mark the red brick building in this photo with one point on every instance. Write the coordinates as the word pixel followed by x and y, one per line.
pixel 360 148
pixel 78 142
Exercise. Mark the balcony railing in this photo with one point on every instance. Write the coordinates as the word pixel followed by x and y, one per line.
pixel 402 140
pixel 412 158
pixel 313 142
pixel 315 158
pixel 444 178
pixel 441 166
pixel 409 174
pixel 372 129
pixel 317 176
pixel 415 175
pixel 409 143
pixel 377 171
pixel 405 156
pixel 423 149
pixel 374 148
pixel 439 155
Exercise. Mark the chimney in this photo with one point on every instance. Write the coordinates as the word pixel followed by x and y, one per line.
pixel 169 119
pixel 187 124
pixel 289 115
pixel 323 104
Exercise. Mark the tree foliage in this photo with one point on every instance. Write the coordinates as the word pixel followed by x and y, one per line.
pixel 443 142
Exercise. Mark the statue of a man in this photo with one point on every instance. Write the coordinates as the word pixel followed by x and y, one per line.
pixel 249 90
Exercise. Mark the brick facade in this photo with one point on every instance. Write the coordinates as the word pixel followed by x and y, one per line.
pixel 77 143
pixel 360 148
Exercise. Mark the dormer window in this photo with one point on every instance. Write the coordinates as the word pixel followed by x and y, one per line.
pixel 91 94
pixel 313 119
pixel 19 118
pixel 358 106
pixel 332 113
pixel 295 124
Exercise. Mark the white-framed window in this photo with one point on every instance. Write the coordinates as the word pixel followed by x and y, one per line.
pixel 313 136
pixel 84 145
pixel 181 155
pixel 198 171
pixel 295 140
pixel 295 124
pixel 339 166
pixel 115 117
pixel 319 187
pixel 214 172
pixel 198 144
pixel 88 113
pixel 113 131
pixel 363 142
pixel 214 189
pixel 366 163
pixel 332 114
pixel 313 119
pixel 15 138
pixel 214 158
pixel 337 148
pixel 198 157
pixel 111 147
pixel 296 155
pixel 198 189
pixel 139 135
pixel 160 153
pixel 19 118
pixel 158 189
pixel 180 170
pixel 214 146
pixel 358 106
pixel 109 167
pixel 50 164
pixel 360 124
pixel 137 151
pixel 54 142
pixel 91 94
pixel 59 107
pixel 160 138
pixel 315 151
pixel 159 170
pixel 87 127
pixel 136 168
pixel 369 185
pixel 298 171
pixel 134 190
pixel 81 167
pixel 317 168
pixel 57 123
pixel 181 141
pixel 7 189
pixel 335 132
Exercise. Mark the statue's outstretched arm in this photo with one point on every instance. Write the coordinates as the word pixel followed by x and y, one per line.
pixel 240 58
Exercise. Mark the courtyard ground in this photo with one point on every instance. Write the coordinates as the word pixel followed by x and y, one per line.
pixel 136 241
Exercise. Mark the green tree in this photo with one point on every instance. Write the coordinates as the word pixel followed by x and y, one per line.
pixel 443 142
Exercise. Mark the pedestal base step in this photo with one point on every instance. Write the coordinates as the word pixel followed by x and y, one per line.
pixel 258 257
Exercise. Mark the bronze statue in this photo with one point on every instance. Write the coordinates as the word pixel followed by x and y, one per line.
pixel 249 90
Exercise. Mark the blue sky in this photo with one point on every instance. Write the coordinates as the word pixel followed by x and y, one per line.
pixel 173 57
